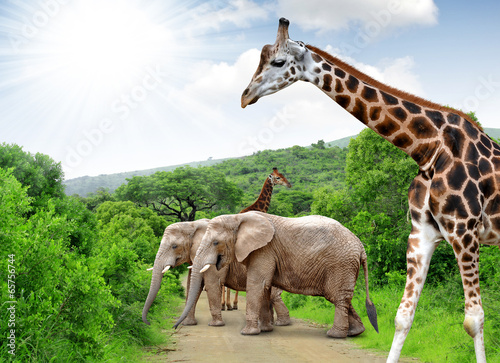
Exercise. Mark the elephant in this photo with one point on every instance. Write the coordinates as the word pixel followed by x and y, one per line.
pixel 312 255
pixel 179 245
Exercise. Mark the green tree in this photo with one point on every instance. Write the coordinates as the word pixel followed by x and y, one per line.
pixel 62 308
pixel 319 145
pixel 379 174
pixel 141 227
pixel 289 203
pixel 93 200
pixel 374 206
pixel 129 237
pixel 40 172
pixel 182 193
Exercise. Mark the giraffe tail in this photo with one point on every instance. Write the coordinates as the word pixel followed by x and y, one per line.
pixel 370 307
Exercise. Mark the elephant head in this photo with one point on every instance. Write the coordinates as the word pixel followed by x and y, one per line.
pixel 178 245
pixel 228 238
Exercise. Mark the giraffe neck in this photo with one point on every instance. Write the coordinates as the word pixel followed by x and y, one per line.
pixel 264 199
pixel 412 124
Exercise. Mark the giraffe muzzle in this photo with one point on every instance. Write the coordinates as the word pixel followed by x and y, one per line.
pixel 245 101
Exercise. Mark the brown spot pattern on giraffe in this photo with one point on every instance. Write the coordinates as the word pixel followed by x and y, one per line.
pixel 327 82
pixel 387 127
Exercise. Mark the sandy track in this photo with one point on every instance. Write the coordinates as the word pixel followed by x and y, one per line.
pixel 299 342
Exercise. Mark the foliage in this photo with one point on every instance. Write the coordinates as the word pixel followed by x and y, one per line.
pixel 81 263
pixel 182 192
pixel 78 278
pixel 93 200
pixel 40 172
pixel 307 170
pixel 374 206
pixel 62 302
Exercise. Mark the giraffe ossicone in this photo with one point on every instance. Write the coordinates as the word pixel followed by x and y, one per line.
pixel 456 194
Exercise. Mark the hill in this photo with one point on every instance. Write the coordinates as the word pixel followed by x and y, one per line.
pixel 90 184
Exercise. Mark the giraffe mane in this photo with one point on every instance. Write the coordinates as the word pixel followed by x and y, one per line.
pixel 384 87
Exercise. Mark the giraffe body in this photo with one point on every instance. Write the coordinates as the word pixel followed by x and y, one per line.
pixel 264 200
pixel 261 205
pixel 456 194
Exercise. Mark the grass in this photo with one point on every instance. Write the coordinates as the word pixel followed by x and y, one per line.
pixel 437 333
pixel 162 317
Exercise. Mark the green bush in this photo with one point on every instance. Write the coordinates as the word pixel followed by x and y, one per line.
pixel 80 283
pixel 62 302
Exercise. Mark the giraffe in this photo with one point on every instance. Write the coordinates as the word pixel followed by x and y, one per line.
pixel 261 205
pixel 455 195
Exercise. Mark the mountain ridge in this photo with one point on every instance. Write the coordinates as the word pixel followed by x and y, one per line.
pixel 90 184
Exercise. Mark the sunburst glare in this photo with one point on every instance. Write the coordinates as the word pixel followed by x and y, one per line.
pixel 101 45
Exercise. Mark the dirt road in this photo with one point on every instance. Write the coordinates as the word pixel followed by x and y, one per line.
pixel 299 342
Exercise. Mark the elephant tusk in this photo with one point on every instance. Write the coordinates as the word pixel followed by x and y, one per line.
pixel 165 269
pixel 150 269
pixel 190 267
pixel 206 267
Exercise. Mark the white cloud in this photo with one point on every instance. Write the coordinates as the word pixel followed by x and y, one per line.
pixel 397 72
pixel 324 15
pixel 239 13
pixel 297 115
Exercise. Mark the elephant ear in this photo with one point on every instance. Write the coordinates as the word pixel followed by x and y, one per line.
pixel 255 232
pixel 200 227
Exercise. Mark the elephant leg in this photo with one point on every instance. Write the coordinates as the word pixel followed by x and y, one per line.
pixel 228 299
pixel 213 288
pixel 340 327
pixel 252 313
pixel 356 326
pixel 282 314
pixel 256 285
pixel 266 319
pixel 235 302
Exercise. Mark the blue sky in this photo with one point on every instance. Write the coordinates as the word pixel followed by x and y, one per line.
pixel 119 85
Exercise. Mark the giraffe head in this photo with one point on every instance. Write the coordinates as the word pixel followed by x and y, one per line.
pixel 278 178
pixel 279 66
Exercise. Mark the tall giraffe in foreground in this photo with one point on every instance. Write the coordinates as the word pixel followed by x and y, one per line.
pixel 261 205
pixel 456 194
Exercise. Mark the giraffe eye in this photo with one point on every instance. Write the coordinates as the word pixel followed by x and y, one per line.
pixel 278 63
pixel 278 178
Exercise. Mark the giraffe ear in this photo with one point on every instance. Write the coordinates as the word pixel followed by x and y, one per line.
pixel 297 49
pixel 255 231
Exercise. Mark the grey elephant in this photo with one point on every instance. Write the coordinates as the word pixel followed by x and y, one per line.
pixel 311 255
pixel 179 245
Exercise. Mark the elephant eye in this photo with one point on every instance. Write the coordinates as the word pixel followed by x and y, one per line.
pixel 216 243
pixel 174 247
pixel 278 63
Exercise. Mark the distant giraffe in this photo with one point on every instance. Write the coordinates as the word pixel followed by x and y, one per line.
pixel 261 205
pixel 456 194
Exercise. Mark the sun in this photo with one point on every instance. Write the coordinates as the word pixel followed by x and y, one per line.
pixel 103 45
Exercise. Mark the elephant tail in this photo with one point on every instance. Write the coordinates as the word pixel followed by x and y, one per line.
pixel 370 307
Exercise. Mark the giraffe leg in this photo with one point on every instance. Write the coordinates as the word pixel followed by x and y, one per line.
pixel 228 299
pixel 223 298
pixel 418 256
pixel 468 263
pixel 235 303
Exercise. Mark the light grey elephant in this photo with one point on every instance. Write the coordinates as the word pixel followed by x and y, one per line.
pixel 179 245
pixel 311 255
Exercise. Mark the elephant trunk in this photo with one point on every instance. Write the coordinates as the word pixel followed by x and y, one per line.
pixel 194 291
pixel 153 291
